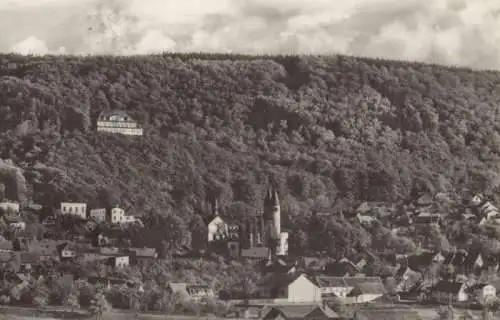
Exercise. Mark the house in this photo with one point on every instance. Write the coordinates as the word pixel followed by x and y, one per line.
pixel 67 251
pixel 119 261
pixel 28 260
pixel 481 292
pixel 296 312
pixel 14 222
pixel 143 253
pixel 118 216
pixel 365 289
pixel 92 254
pixel 9 207
pixel 289 288
pixel 118 121
pixel 49 221
pixel 406 279
pixel 72 208
pixel 99 215
pixel 445 292
pixel 365 220
pixel 191 291
pixel 332 287
pixel 48 249
pixel 277 265
pixel 427 218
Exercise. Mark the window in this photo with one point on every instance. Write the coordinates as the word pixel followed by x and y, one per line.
pixel 70 209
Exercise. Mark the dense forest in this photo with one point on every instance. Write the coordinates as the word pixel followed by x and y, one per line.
pixel 331 132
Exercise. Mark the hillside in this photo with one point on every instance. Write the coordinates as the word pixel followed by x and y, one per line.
pixel 331 131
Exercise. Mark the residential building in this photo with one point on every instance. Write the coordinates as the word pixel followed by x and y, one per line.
pixel 365 289
pixel 72 208
pixel 119 261
pixel 191 291
pixel 14 222
pixel 98 215
pixel 333 287
pixel 10 207
pixel 67 251
pixel 481 292
pixel 118 121
pixel 289 288
pixel 445 292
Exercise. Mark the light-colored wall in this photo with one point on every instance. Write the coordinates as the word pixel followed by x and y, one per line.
pixel 98 214
pixel 117 215
pixel 303 290
pixel 367 297
pixel 79 209
pixel 340 292
pixel 122 261
pixel 11 206
pixel 122 130
pixel 215 226
pixel 283 244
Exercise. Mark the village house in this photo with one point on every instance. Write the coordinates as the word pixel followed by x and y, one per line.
pixel 332 287
pixel 406 278
pixel 10 207
pixel 343 268
pixel 365 289
pixel 191 291
pixel 67 251
pixel 481 292
pixel 15 222
pixel 99 215
pixel 119 261
pixel 286 288
pixel 76 209
pixel 119 216
pixel 277 265
pixel 118 121
pixel 142 253
pixel 445 292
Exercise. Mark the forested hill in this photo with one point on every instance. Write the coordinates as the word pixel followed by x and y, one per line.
pixel 331 131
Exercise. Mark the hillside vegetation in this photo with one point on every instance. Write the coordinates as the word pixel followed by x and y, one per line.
pixel 331 131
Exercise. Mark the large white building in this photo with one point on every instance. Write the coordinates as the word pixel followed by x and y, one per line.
pixel 118 121
pixel 73 208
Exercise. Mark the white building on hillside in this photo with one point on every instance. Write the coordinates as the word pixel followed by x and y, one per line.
pixel 78 209
pixel 118 121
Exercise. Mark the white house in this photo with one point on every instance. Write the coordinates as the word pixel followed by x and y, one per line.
pixel 12 207
pixel 118 121
pixel 218 229
pixel 301 289
pixel 118 216
pixel 73 208
pixel 120 261
pixel 98 215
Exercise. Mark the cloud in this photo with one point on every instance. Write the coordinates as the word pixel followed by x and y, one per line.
pixel 458 32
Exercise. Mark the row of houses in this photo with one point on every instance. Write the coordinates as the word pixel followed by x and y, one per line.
pixel 113 215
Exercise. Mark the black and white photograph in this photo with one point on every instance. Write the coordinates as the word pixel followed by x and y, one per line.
pixel 250 159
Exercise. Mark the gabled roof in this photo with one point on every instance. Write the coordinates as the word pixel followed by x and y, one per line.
pixel 322 312
pixel 447 286
pixel 366 285
pixel 289 311
pixel 330 282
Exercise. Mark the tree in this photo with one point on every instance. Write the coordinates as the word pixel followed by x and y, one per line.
pixel 198 233
pixel 98 305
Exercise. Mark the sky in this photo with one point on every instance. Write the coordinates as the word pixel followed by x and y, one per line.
pixel 453 32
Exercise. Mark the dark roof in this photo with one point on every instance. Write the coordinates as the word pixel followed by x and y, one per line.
pixel 277 280
pixel 297 311
pixel 29 257
pixel 366 285
pixel 330 282
pixel 447 286
pixel 456 258
pixel 339 269
pixel 108 113
pixel 322 312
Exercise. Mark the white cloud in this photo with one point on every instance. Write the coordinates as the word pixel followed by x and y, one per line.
pixel 444 31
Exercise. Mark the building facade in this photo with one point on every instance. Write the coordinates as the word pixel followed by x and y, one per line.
pixel 118 121
pixel 73 208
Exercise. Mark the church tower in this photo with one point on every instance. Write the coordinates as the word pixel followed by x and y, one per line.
pixel 272 220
